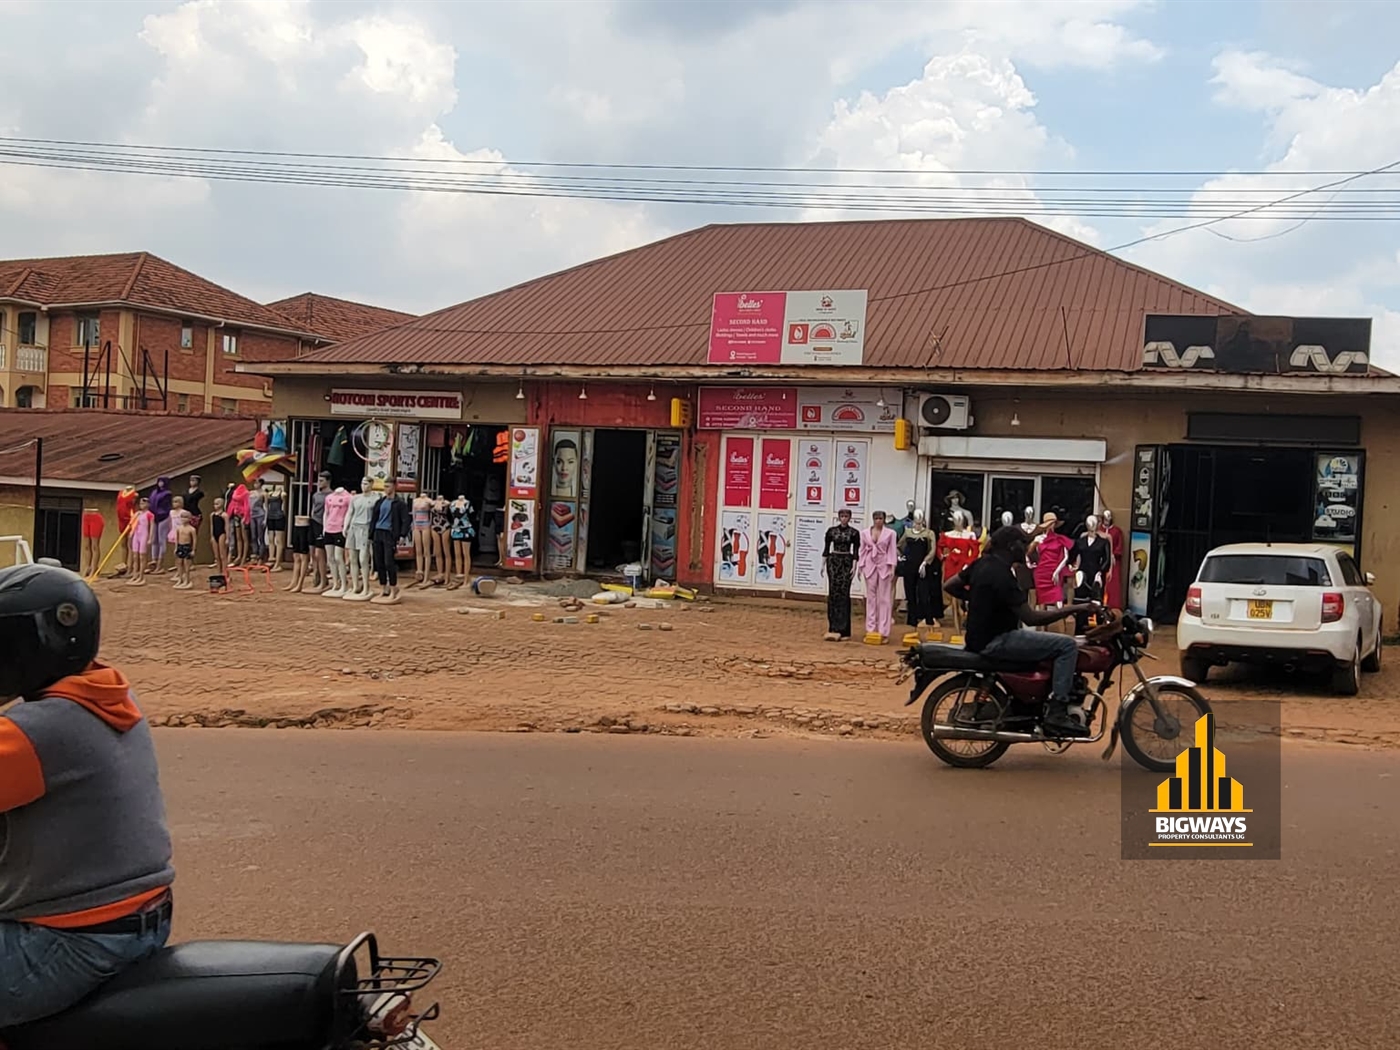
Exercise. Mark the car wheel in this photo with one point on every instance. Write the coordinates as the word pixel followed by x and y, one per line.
pixel 1372 663
pixel 1346 679
pixel 1194 668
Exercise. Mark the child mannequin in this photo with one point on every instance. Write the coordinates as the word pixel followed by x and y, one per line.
pixel 185 535
pixel 142 533
pixel 218 537
pixel 459 513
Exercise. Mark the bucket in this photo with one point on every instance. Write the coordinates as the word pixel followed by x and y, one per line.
pixel 484 586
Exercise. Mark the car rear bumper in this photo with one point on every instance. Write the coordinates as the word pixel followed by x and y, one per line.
pixel 1330 645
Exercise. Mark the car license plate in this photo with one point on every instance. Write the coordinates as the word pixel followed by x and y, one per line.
pixel 1261 610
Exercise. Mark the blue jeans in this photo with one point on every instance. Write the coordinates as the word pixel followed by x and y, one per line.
pixel 45 971
pixel 1024 645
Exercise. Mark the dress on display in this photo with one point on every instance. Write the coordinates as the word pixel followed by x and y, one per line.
pixel 878 554
pixel 1113 581
pixel 840 550
pixel 957 552
pixel 1092 559
pixel 923 594
pixel 1051 552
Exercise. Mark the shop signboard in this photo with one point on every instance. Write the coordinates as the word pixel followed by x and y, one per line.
pixel 748 408
pixel 814 470
pixel 738 471
pixel 408 404
pixel 775 473
pixel 851 457
pixel 1337 487
pixel 406 477
pixel 863 410
pixel 788 328
pixel 1253 345
pixel 810 535
pixel 523 494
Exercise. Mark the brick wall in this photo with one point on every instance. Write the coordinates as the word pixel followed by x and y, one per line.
pixel 252 347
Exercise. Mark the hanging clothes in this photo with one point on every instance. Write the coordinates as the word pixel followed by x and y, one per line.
pixel 957 552
pixel 1113 580
pixel 335 455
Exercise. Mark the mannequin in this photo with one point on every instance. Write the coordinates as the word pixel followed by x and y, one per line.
pixel 442 554
pixel 358 551
pixel 1050 551
pixel 276 526
pixel 1113 578
pixel 257 523
pixel 422 539
pixel 923 576
pixel 459 515
pixel 91 555
pixel 172 527
pixel 318 523
pixel 337 510
pixel 218 536
pixel 301 551
pixel 840 550
pixel 955 508
pixel 126 510
pixel 239 510
pixel 957 549
pixel 878 554
pixel 1007 518
pixel 162 499
pixel 1092 557
pixel 143 527
pixel 1028 525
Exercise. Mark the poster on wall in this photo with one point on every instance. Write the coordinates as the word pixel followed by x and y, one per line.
pixel 663 544
pixel 790 328
pixel 406 476
pixel 772 542
pixel 738 471
pixel 1338 494
pixel 775 474
pixel 735 562
pixel 851 458
pixel 1139 560
pixel 379 452
pixel 1144 488
pixel 667 488
pixel 747 408
pixel 863 409
pixel 563 530
pixel 520 534
pixel 524 462
pixel 585 490
pixel 808 538
pixel 566 462
pixel 814 468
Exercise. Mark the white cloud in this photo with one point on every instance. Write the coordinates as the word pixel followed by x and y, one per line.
pixel 1309 127
pixel 967 112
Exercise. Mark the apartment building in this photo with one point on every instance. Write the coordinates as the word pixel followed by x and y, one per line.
pixel 133 331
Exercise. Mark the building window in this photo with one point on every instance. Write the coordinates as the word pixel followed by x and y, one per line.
pixel 77 399
pixel 231 343
pixel 186 337
pixel 229 406
pixel 88 330
pixel 182 402
pixel 28 328
pixel 24 397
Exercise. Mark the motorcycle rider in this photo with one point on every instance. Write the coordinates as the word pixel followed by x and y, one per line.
pixel 998 614
pixel 85 858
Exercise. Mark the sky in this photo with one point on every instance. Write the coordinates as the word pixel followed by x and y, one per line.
pixel 927 88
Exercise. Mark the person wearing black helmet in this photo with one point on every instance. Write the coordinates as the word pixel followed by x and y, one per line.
pixel 85 859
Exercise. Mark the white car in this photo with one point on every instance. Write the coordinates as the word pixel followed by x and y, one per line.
pixel 1300 605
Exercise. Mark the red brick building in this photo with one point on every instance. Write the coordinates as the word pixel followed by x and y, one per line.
pixel 337 319
pixel 133 331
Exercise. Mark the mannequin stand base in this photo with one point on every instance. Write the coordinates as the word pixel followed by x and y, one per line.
pixel 386 599
pixel 333 593
pixel 357 596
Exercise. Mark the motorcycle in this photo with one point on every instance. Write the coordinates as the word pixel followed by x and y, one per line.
pixel 987 705
pixel 243 995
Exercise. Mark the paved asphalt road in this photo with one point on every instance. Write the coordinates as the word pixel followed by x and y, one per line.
pixel 594 892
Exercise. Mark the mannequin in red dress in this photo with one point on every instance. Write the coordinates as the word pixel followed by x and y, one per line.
pixel 1113 581
pixel 957 549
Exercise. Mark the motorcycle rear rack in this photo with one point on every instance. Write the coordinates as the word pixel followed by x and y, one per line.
pixel 388 975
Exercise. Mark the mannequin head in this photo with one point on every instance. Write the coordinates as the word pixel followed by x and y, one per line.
pixel 1049 523
pixel 366 484
pixel 918 517
pixel 909 510
pixel 1029 516
pixel 844 517
pixel 1091 524
pixel 323 481
pixel 1007 518
pixel 194 482
pixel 1107 517
pixel 877 521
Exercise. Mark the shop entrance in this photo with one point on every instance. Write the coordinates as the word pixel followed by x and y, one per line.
pixel 471 461
pixel 988 494
pixel 1219 495
pixel 617 500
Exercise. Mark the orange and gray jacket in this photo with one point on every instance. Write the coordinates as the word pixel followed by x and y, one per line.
pixel 83 838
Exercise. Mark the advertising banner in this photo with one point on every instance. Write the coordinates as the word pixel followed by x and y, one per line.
pixel 789 328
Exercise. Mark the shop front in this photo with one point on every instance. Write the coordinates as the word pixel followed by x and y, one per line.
pixel 450 439
pixel 615 480
pixel 790 459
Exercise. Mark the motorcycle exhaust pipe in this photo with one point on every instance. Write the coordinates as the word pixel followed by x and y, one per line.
pixel 941 731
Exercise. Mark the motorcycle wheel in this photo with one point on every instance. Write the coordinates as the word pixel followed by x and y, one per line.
pixel 1184 702
pixel 943 700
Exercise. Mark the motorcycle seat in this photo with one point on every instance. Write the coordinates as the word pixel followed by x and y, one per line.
pixel 941 657
pixel 203 995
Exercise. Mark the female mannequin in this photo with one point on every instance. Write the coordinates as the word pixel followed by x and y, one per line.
pixel 422 539
pixel 301 551
pixel 333 530
pixel 1051 553
pixel 160 503
pixel 923 586
pixel 878 554
pixel 171 528
pixel 459 515
pixel 840 551
pixel 127 499
pixel 257 522
pixel 1028 525
pixel 276 526
pixel 239 511
pixel 143 527
pixel 957 549
pixel 1092 557
pixel 1113 578
pixel 442 553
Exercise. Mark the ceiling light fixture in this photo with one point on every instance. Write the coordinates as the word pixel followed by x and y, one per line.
pixel 583 393
pixel 520 392
pixel 652 395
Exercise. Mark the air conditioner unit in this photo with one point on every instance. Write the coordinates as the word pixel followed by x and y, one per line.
pixel 944 412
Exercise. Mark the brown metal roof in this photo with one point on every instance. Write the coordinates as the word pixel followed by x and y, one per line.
pixel 995 293
pixel 337 319
pixel 117 448
pixel 136 279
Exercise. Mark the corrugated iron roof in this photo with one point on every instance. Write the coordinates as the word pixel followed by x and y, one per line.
pixel 117 448
pixel 995 293
pixel 137 279
pixel 337 319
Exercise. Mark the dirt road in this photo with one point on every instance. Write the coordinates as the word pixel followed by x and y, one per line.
pixel 442 660
pixel 634 894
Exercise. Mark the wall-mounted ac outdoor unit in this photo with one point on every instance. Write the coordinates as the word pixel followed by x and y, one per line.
pixel 944 412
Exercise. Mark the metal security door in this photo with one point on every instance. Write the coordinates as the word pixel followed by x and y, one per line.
pixel 648 496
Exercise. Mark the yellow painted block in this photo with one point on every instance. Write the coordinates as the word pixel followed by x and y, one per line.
pixel 957 639
pixel 620 588
pixel 592 618
pixel 912 638
pixel 874 639
pixel 538 617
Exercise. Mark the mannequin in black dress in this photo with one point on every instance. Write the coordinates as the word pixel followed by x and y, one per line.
pixel 1092 555
pixel 923 578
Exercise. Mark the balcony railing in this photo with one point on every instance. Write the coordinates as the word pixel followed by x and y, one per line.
pixel 32 359
pixel 2 356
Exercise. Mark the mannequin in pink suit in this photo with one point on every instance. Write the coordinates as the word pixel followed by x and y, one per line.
pixel 879 553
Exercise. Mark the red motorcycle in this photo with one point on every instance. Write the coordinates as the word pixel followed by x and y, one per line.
pixel 981 706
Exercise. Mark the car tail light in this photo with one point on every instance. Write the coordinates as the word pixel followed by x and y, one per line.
pixel 1193 602
pixel 1333 605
